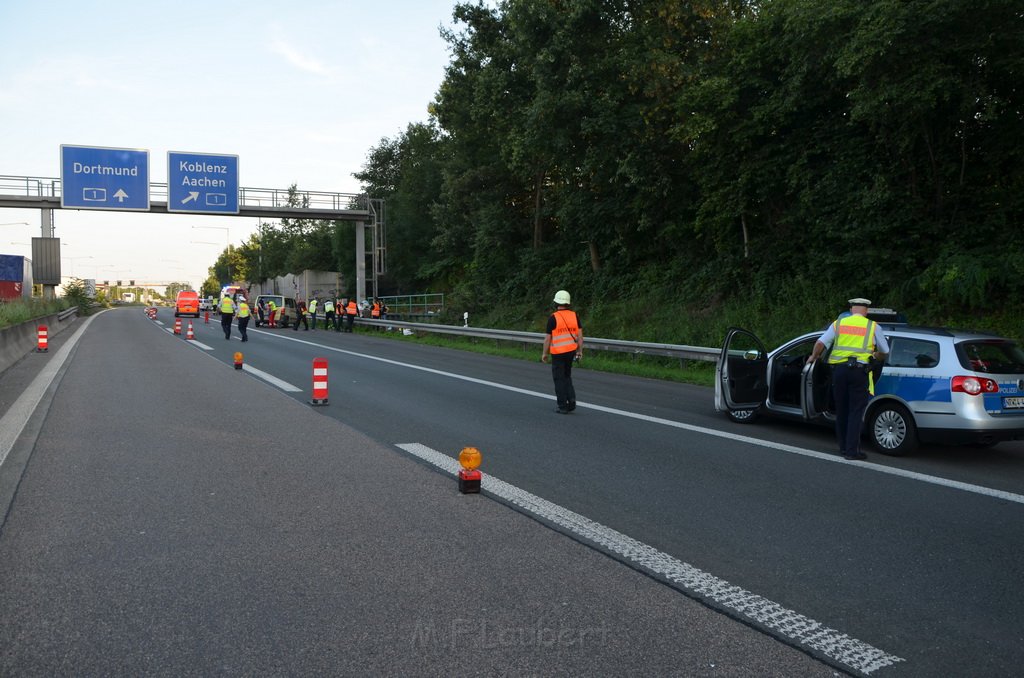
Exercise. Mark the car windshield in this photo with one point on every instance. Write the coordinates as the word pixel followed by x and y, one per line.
pixel 994 356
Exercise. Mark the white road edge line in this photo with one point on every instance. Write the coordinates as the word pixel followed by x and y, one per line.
pixel 271 379
pixel 807 632
pixel 781 447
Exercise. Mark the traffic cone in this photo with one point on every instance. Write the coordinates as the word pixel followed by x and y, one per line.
pixel 43 337
pixel 206 317
pixel 190 334
pixel 177 326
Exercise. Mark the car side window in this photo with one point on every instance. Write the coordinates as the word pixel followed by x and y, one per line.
pixel 910 352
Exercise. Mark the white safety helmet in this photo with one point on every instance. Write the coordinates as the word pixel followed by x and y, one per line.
pixel 562 298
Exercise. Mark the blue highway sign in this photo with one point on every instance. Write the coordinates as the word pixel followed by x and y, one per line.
pixel 201 182
pixel 104 178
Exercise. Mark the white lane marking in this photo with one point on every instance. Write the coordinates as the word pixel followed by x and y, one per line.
pixel 17 416
pixel 834 644
pixel 283 385
pixel 781 447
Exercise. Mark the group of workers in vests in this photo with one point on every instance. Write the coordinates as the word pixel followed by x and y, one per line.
pixel 338 315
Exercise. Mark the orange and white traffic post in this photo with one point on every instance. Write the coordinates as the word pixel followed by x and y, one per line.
pixel 44 340
pixel 206 317
pixel 238 360
pixel 190 335
pixel 319 382
pixel 177 326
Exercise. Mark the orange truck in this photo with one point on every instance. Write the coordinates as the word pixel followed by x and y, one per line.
pixel 186 303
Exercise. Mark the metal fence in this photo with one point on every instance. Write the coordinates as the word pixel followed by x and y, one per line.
pixel 679 351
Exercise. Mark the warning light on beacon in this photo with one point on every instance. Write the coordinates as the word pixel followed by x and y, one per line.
pixel 469 476
pixel 238 360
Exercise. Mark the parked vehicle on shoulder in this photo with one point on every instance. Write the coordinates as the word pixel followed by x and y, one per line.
pixel 937 385
pixel 286 310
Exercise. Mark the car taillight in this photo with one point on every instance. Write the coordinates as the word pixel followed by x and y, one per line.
pixel 973 385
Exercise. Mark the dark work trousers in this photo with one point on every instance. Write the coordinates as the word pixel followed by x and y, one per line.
pixel 349 319
pixel 243 325
pixel 225 323
pixel 301 319
pixel 330 322
pixel 850 389
pixel 561 371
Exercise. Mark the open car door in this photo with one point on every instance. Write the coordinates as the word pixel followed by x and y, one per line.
pixel 741 376
pixel 816 399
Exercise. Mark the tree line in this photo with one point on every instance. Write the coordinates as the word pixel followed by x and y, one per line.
pixel 773 151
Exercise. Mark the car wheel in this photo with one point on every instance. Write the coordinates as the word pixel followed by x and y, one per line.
pixel 743 416
pixel 892 430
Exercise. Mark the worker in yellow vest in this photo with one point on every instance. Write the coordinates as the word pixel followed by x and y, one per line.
pixel 271 314
pixel 564 343
pixel 244 313
pixel 227 313
pixel 855 341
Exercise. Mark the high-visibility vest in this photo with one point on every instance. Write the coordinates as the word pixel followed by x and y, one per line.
pixel 375 313
pixel 312 307
pixel 272 306
pixel 328 306
pixel 567 329
pixel 352 308
pixel 243 309
pixel 855 338
pixel 226 305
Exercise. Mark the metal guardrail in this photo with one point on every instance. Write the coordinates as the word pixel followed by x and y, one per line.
pixel 633 347
pixel 67 313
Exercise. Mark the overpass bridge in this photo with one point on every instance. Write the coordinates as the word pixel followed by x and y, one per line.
pixel 45 193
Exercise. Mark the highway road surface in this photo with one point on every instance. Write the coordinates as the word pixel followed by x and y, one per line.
pixel 167 514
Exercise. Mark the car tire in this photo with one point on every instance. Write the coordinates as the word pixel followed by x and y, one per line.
pixel 743 416
pixel 892 430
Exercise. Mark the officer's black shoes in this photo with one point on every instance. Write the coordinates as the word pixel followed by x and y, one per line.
pixel 853 456
pixel 562 410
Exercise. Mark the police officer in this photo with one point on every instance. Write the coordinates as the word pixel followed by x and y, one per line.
pixel 329 314
pixel 564 343
pixel 857 340
pixel 227 313
pixel 244 313
pixel 312 312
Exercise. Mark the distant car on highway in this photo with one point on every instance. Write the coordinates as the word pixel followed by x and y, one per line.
pixel 206 304
pixel 937 385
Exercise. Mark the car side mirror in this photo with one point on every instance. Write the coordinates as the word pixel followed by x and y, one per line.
pixel 752 354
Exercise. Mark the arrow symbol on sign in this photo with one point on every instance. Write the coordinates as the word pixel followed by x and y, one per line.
pixel 192 195
pixel 120 195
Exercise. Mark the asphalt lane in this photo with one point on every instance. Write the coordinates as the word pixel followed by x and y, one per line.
pixel 920 570
pixel 178 517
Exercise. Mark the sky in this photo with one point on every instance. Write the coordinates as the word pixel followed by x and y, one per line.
pixel 300 91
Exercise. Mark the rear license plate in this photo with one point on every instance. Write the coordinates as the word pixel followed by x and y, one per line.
pixel 1013 403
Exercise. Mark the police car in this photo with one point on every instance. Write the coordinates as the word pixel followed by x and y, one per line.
pixel 937 385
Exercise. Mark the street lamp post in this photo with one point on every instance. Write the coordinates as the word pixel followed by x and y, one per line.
pixel 227 245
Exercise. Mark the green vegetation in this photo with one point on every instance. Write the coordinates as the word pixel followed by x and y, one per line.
pixel 684 167
pixel 17 311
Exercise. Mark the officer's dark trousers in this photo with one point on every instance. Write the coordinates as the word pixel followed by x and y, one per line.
pixel 561 371
pixel 243 326
pixel 330 322
pixel 850 388
pixel 301 319
pixel 225 324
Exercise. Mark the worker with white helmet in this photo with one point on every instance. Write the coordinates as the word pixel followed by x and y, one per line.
pixel 563 342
